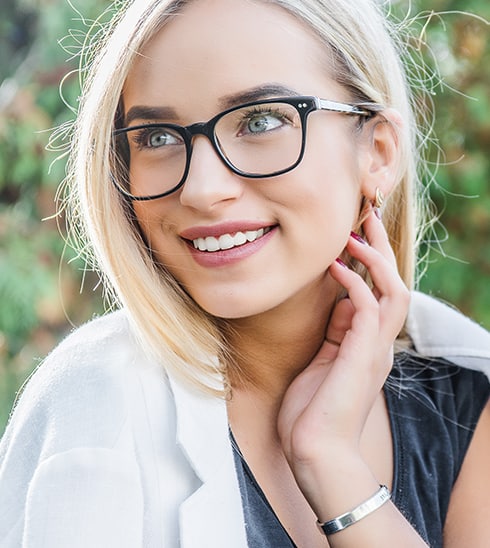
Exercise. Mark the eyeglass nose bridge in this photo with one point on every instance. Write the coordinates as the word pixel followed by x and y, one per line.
pixel 206 129
pixel 201 128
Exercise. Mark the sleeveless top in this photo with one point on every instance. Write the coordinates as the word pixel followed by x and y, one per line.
pixel 433 407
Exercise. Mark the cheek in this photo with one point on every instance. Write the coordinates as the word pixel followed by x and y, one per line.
pixel 154 221
pixel 144 219
pixel 328 181
pixel 325 195
pixel 332 139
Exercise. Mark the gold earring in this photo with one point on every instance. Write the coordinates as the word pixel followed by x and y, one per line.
pixel 378 198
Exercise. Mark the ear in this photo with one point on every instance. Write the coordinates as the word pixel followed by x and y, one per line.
pixel 381 155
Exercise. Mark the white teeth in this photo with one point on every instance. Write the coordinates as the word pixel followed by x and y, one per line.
pixel 239 238
pixel 211 243
pixel 228 241
pixel 252 235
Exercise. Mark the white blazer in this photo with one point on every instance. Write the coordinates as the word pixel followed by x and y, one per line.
pixel 106 450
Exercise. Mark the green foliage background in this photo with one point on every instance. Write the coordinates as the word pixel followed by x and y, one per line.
pixel 40 281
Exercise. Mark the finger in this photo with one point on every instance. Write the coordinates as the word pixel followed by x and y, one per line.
pixel 361 361
pixel 377 237
pixel 389 290
pixel 380 267
pixel 364 309
pixel 340 322
pixel 377 264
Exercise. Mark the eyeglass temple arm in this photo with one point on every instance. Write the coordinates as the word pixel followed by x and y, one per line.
pixel 369 110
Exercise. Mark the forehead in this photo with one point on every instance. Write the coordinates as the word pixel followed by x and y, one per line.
pixel 219 47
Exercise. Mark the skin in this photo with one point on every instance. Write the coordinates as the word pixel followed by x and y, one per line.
pixel 309 417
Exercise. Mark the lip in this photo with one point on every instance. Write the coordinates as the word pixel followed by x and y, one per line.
pixel 226 257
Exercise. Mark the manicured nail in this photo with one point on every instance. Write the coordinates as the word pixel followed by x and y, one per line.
pixel 341 263
pixel 377 212
pixel 358 238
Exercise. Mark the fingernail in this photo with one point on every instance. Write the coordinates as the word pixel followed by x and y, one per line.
pixel 377 212
pixel 341 263
pixel 358 238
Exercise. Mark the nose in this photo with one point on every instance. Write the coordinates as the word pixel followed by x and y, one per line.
pixel 209 181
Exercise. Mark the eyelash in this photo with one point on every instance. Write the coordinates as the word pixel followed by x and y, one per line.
pixel 139 138
pixel 142 136
pixel 264 110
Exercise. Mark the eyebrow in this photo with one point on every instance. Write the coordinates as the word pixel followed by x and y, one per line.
pixel 139 112
pixel 256 93
pixel 150 113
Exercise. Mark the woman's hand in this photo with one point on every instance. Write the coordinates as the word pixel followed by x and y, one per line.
pixel 325 409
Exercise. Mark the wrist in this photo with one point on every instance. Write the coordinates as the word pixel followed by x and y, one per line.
pixel 367 507
pixel 330 467
pixel 336 485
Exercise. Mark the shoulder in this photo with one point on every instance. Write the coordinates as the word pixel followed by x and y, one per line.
pixel 434 408
pixel 90 359
pixel 454 392
pixel 69 440
pixel 99 339
pixel 433 399
pixel 103 429
pixel 93 428
pixel 81 394
pixel 450 361
pixel 438 330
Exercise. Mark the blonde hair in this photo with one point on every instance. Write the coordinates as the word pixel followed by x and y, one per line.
pixel 168 322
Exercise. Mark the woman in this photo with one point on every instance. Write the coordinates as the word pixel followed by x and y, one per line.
pixel 259 380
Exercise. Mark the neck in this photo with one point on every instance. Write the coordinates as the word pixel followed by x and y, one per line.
pixel 271 349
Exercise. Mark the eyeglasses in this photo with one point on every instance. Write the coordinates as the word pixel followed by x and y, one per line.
pixel 255 140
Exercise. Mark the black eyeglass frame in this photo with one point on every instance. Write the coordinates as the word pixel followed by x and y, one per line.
pixel 303 104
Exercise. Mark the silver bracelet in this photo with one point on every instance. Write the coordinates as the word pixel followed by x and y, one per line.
pixel 364 509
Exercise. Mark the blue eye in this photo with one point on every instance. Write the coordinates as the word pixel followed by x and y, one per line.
pixel 261 121
pixel 264 122
pixel 155 137
pixel 160 138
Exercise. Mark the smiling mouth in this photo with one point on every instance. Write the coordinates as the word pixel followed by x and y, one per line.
pixel 229 241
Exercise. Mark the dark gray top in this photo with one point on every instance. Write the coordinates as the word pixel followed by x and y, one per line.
pixel 433 408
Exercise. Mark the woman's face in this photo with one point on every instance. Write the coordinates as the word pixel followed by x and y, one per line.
pixel 217 54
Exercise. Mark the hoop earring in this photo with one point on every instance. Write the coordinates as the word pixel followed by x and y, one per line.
pixel 378 198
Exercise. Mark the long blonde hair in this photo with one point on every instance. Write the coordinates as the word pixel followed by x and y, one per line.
pixel 170 325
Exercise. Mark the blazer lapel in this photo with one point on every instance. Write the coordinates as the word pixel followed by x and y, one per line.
pixel 212 516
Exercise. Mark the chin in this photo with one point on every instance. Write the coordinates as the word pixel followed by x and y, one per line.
pixel 232 309
pixel 231 313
